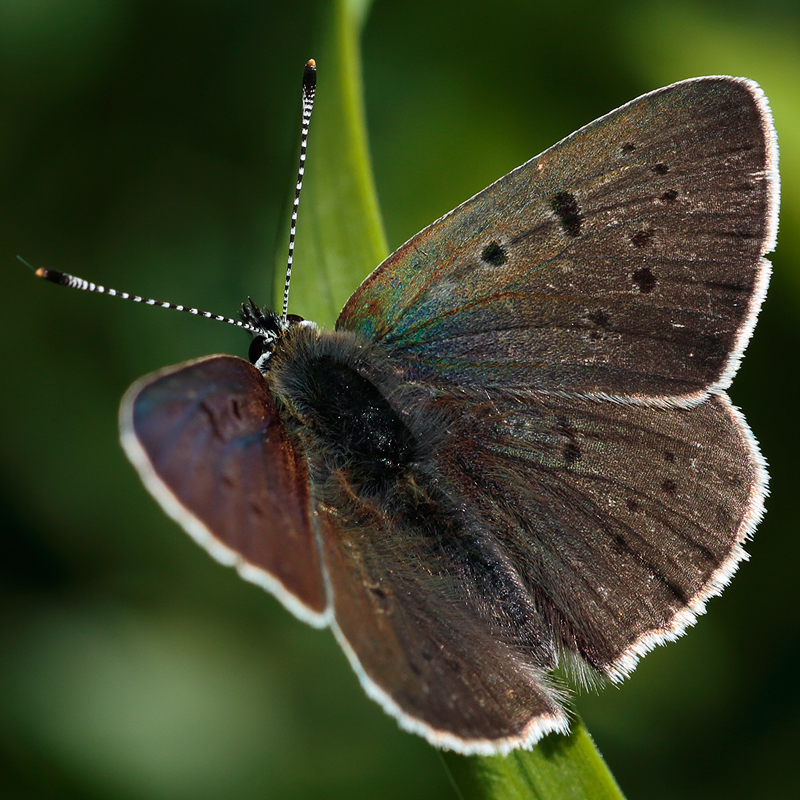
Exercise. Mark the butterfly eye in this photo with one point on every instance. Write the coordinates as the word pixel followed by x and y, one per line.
pixel 259 347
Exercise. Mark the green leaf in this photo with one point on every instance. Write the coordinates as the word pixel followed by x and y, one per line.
pixel 340 240
pixel 340 237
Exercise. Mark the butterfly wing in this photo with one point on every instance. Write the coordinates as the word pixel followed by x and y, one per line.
pixel 207 441
pixel 541 539
pixel 620 520
pixel 532 532
pixel 625 261
pixel 413 613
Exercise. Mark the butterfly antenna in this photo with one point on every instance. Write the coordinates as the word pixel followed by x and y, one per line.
pixel 73 282
pixel 309 89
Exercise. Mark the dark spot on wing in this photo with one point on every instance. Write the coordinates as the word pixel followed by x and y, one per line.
pixel 661 169
pixel 380 596
pixel 669 487
pixel 213 420
pixel 724 519
pixel 620 544
pixel 677 590
pixel 670 196
pixel 600 318
pixel 571 453
pixel 602 323
pixel 257 509
pixel 669 456
pixel 565 206
pixel 738 234
pixel 644 279
pixel 494 254
pixel 709 350
pixel 627 147
pixel 633 505
pixel 642 238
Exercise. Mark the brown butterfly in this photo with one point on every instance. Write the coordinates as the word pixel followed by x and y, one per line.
pixel 515 451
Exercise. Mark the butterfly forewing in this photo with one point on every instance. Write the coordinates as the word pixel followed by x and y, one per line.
pixel 625 261
pixel 208 443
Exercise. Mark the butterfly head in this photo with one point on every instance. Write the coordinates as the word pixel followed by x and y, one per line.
pixel 269 328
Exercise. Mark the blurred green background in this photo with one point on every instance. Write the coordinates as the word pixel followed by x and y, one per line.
pixel 151 146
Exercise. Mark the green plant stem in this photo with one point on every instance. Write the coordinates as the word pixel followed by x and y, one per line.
pixel 558 768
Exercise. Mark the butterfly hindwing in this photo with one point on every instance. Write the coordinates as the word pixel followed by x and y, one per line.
pixel 625 261
pixel 414 615
pixel 620 520
pixel 207 441
pixel 529 534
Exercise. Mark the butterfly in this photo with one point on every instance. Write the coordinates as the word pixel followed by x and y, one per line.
pixel 514 453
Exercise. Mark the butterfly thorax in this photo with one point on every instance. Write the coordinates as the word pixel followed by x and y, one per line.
pixel 333 391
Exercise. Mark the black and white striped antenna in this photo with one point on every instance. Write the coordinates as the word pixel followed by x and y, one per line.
pixel 309 90
pixel 74 282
